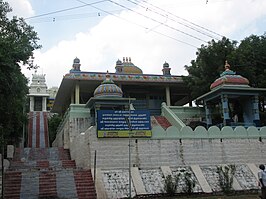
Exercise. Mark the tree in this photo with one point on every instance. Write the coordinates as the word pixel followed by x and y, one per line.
pixel 208 65
pixel 247 59
pixel 250 60
pixel 53 124
pixel 17 42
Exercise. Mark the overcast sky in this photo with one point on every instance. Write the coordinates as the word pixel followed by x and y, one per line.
pixel 151 32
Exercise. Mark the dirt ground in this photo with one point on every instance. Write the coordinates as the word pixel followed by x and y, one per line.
pixel 240 196
pixel 225 197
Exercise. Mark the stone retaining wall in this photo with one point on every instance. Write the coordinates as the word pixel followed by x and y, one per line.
pixel 115 181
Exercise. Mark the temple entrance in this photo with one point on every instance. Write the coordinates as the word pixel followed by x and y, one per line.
pixel 37 103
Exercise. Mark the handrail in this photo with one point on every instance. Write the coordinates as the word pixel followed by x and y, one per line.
pixel 63 121
pixel 172 118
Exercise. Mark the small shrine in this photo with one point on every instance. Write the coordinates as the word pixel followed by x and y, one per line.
pixel 114 115
pixel 107 96
pixel 231 101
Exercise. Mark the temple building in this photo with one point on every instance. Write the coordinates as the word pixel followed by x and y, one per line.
pixel 149 91
pixel 231 101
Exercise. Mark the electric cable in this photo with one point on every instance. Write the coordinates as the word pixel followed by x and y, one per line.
pixel 183 24
pixel 183 19
pixel 139 25
pixel 64 10
pixel 195 37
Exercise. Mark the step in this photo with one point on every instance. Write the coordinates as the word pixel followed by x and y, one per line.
pixel 84 184
pixel 47 184
pixel 35 154
pixel 12 184
pixel 163 121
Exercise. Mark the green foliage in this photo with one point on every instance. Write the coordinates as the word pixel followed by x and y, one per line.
pixel 17 42
pixel 250 59
pixel 189 183
pixel 208 65
pixel 247 59
pixel 226 174
pixel 53 124
pixel 170 184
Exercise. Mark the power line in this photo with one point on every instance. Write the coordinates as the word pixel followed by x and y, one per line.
pixel 64 10
pixel 183 19
pixel 158 21
pixel 165 15
pixel 162 34
pixel 71 17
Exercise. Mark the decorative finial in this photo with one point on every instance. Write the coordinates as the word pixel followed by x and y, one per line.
pixel 226 66
pixel 107 76
pixel 227 70
pixel 129 59
pixel 123 59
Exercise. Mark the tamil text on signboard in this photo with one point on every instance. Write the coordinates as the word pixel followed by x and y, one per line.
pixel 135 123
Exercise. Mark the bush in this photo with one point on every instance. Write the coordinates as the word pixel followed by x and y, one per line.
pixel 226 174
pixel 189 183
pixel 170 185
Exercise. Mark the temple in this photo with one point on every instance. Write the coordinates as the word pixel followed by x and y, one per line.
pixel 132 129
pixel 77 87
pixel 231 101
pixel 123 133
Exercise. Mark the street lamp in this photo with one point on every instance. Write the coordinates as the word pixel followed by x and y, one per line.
pixel 128 120
pixel 129 144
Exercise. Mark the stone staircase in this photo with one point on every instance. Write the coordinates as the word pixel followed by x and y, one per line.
pixel 163 122
pixel 38 136
pixel 47 173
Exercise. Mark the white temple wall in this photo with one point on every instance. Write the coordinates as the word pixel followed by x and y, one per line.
pixel 75 121
pixel 150 153
pixel 155 153
pixel 80 151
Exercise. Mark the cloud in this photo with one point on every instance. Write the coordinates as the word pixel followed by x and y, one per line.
pixel 116 37
pixel 21 8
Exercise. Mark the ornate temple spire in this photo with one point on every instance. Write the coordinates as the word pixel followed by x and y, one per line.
pixel 227 66
pixel 227 70
pixel 229 78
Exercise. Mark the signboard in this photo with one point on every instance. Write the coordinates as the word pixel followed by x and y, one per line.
pixel 135 123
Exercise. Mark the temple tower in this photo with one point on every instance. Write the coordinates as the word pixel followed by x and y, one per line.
pixel 38 93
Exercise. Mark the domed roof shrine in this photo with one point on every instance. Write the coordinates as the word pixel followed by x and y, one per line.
pixel 231 101
pixel 107 96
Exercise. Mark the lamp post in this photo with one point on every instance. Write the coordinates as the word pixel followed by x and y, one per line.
pixel 129 158
pixel 129 149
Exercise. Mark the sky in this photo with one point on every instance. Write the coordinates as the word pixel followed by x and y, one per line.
pixel 151 32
